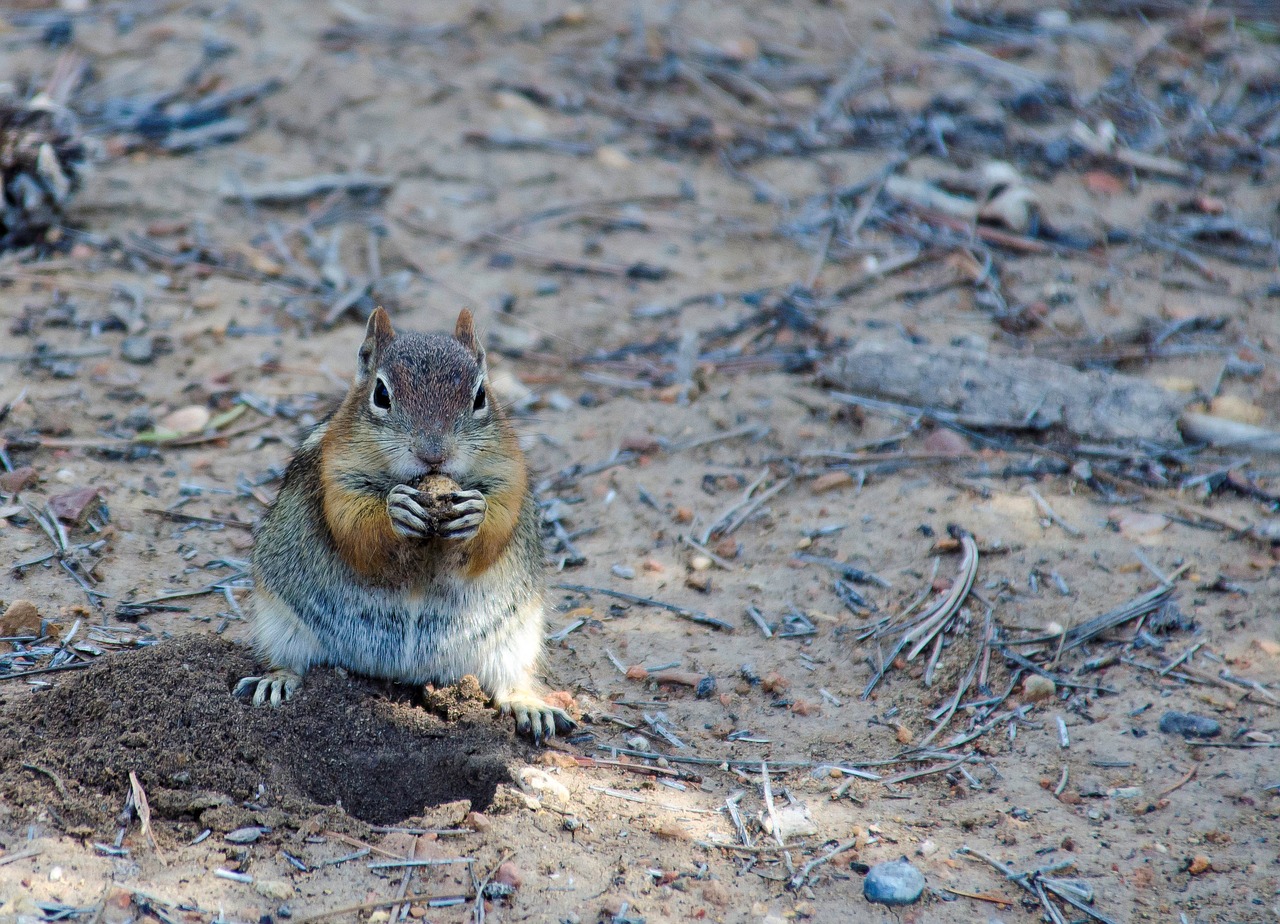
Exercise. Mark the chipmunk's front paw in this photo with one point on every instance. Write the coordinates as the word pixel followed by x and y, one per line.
pixel 534 717
pixel 273 688
pixel 409 518
pixel 463 515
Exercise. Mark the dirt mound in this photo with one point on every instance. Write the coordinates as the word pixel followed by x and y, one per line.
pixel 167 713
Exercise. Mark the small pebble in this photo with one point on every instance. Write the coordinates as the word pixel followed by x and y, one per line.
pixel 624 572
pixel 58 32
pixel 1036 688
pixel 277 889
pixel 138 349
pixel 245 835
pixel 509 874
pixel 893 883
pixel 74 507
pixel 1189 725
pixel 14 481
pixel 21 618
pixel 716 894
pixel 946 442
pixel 558 401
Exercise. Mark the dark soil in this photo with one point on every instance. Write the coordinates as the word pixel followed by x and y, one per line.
pixel 167 713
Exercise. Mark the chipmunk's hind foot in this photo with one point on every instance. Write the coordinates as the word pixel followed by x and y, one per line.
pixel 271 689
pixel 533 716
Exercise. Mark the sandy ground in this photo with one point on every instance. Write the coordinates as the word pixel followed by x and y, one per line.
pixel 1158 828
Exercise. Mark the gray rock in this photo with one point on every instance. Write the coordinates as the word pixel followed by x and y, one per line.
pixel 1189 725
pixel 987 390
pixel 138 349
pixel 894 883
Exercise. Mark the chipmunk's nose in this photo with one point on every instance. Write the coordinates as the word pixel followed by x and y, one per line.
pixel 431 458
pixel 430 452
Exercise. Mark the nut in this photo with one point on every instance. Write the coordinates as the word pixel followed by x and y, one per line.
pixel 438 485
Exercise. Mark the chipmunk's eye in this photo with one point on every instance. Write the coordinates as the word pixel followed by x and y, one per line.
pixel 482 400
pixel 381 395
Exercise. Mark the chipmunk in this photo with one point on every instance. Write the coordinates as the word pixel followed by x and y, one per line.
pixel 355 565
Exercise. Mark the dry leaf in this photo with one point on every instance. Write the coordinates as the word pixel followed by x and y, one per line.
pixel 830 481
pixel 1139 525
pixel 1233 407
pixel 186 420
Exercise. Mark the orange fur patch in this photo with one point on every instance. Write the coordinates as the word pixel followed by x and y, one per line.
pixel 500 519
pixel 361 530
pixel 359 523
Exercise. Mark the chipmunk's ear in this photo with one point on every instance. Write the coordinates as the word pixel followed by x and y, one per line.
pixel 465 332
pixel 377 335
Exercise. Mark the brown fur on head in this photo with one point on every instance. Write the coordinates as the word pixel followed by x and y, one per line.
pixel 426 398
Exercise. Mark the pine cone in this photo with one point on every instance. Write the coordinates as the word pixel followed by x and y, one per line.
pixel 42 160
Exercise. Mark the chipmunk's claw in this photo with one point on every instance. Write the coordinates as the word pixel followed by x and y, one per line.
pixel 535 718
pixel 463 521
pixel 408 517
pixel 457 515
pixel 273 688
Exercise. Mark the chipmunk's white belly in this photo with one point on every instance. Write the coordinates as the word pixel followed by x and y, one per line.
pixel 438 635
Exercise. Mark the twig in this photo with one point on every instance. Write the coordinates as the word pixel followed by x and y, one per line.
pixel 774 828
pixel 1051 514
pixel 683 612
pixel 716 559
pixel 1180 658
pixel 481 884
pixel 399 864
pixel 288 192
pixel 923 629
pixel 755 431
pixel 758 618
pixel 929 771
pixel 631 768
pixel 744 848
pixel 1191 775
pixel 26 854
pixel 74 665
pixel 1144 605
pixel 143 808
pixel 982 897
pixel 731 806
pixel 728 514
pixel 57 780
pixel 796 881
pixel 848 572
pixel 432 901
